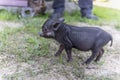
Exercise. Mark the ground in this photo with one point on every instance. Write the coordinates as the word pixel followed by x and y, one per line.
pixel 56 68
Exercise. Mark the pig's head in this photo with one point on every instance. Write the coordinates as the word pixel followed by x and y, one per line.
pixel 50 27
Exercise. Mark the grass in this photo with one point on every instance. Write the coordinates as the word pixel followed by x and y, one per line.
pixel 106 16
pixel 40 46
pixel 96 78
pixel 111 16
pixel 107 13
pixel 26 44
pixel 117 27
pixel 5 15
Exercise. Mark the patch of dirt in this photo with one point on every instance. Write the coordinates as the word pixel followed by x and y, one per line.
pixel 56 68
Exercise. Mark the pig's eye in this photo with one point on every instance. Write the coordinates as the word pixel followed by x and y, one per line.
pixel 45 30
pixel 54 26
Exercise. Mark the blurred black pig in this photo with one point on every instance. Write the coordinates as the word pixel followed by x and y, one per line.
pixel 82 38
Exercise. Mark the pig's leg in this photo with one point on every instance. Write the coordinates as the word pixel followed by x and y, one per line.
pixel 94 54
pixel 69 54
pixel 61 48
pixel 101 52
pixel 100 42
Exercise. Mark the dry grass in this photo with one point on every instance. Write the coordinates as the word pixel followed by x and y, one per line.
pixel 26 56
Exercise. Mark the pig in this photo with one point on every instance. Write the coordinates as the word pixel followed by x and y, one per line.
pixel 81 38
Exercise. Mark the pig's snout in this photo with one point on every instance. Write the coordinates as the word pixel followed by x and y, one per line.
pixel 41 34
pixel 47 35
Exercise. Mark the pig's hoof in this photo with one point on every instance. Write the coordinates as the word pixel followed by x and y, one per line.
pixel 69 60
pixel 97 60
pixel 87 66
pixel 87 62
pixel 91 67
pixel 83 63
pixel 56 54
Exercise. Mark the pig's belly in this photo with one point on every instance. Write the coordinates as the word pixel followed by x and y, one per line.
pixel 82 48
pixel 84 45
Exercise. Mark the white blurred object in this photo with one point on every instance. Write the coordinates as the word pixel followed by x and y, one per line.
pixel 110 4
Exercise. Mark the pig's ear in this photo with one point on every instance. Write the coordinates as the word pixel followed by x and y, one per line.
pixel 56 25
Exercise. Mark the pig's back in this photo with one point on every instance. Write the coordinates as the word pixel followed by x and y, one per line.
pixel 84 28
